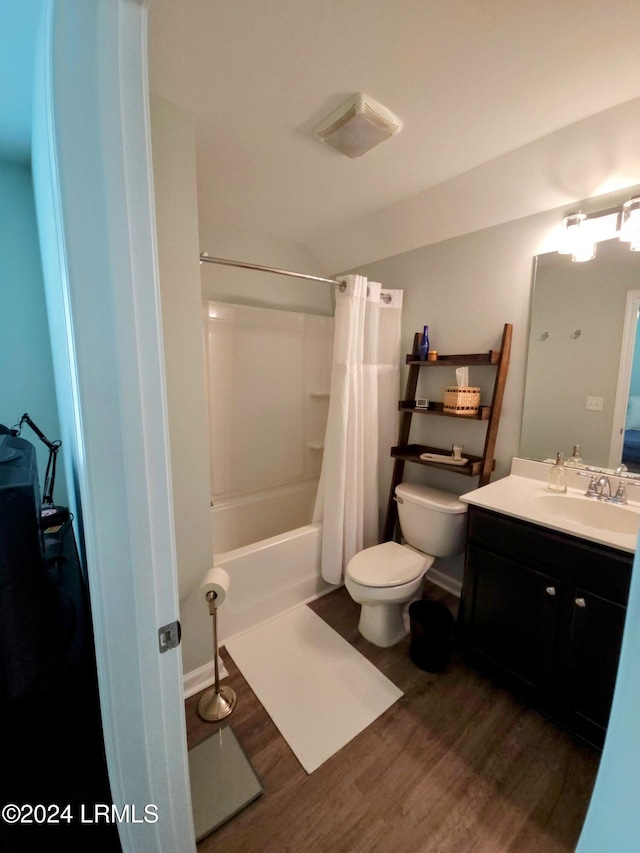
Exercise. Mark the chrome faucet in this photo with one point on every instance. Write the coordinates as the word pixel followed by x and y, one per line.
pixel 600 487
pixel 620 470
pixel 621 494
pixel 592 488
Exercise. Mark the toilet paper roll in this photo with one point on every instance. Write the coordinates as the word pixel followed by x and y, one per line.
pixel 216 580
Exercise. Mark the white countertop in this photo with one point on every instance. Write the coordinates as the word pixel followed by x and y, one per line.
pixel 518 496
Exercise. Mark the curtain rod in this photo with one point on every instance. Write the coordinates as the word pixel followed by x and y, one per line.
pixel 247 266
pixel 206 258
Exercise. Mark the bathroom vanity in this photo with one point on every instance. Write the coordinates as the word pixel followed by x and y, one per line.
pixel 544 598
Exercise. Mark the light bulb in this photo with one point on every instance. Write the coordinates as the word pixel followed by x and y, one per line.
pixel 570 232
pixel 584 250
pixel 630 225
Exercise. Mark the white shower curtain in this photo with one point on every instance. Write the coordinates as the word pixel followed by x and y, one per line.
pixel 362 418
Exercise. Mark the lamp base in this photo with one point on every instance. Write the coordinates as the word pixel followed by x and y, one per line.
pixel 53 516
pixel 216 705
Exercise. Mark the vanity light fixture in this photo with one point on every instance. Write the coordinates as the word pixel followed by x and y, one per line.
pixel 630 223
pixel 570 226
pixel 575 240
pixel 581 232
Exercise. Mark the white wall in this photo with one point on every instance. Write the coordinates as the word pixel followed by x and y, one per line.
pixel 173 137
pixel 466 289
pixel 264 290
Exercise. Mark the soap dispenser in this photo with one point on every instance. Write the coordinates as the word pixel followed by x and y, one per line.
pixel 558 475
pixel 576 460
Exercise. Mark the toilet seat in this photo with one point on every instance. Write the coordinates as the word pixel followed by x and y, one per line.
pixel 387 564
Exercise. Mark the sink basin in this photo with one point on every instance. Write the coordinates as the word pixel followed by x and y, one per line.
pixel 590 513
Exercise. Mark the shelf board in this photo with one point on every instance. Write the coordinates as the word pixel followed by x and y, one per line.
pixel 436 408
pixel 478 358
pixel 411 453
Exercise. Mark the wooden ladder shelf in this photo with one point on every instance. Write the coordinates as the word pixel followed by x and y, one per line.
pixel 477 466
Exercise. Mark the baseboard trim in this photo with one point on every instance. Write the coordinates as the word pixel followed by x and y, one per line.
pixel 199 679
pixel 451 585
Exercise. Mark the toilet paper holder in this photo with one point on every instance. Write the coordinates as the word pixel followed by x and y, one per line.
pixel 217 702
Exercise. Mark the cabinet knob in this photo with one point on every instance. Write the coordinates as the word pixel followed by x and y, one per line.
pixel 581 602
pixel 550 590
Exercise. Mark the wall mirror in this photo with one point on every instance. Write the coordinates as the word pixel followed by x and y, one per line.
pixel 580 379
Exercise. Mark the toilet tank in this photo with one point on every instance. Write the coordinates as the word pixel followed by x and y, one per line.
pixel 431 520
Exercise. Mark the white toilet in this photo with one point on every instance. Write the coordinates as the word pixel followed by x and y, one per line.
pixel 385 577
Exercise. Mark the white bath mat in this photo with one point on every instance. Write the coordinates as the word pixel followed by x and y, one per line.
pixel 318 690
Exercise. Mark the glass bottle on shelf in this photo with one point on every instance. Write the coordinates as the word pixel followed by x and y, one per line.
pixel 576 460
pixel 558 475
pixel 424 344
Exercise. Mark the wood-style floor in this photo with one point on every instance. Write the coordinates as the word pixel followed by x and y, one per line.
pixel 457 764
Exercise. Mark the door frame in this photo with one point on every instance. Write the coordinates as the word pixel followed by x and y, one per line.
pixel 94 194
pixel 627 347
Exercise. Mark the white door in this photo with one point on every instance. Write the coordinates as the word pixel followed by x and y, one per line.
pixel 93 188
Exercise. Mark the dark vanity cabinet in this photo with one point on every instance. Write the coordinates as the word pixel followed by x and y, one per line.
pixel 544 613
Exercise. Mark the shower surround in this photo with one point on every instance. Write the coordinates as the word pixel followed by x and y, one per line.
pixel 268 379
pixel 268 376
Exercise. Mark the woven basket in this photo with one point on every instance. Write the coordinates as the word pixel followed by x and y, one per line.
pixel 461 401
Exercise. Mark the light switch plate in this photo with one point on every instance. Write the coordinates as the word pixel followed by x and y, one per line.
pixel 595 404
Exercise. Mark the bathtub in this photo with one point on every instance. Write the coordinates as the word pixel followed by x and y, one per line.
pixel 269 577
pixel 244 519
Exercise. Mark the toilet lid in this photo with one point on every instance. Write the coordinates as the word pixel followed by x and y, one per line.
pixel 388 564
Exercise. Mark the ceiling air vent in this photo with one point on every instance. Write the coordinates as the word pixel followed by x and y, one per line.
pixel 358 125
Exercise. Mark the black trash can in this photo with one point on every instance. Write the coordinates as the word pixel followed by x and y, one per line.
pixel 431 632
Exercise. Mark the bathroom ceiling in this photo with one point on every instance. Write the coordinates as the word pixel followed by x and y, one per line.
pixel 471 79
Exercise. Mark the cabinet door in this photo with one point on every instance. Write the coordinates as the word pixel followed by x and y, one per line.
pixel 592 661
pixel 513 619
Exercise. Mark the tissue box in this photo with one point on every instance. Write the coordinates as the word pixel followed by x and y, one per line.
pixel 461 401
